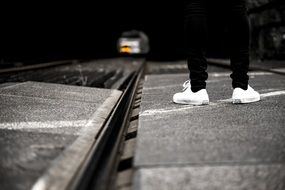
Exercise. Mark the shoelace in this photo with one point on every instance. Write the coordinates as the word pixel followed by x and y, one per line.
pixel 186 85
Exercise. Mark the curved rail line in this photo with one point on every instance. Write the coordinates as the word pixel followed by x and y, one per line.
pixel 97 168
pixel 36 66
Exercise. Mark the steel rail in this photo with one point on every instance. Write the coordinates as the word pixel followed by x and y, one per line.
pixel 99 168
pixel 37 66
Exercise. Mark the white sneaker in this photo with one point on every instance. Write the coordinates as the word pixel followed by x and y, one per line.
pixel 241 96
pixel 193 98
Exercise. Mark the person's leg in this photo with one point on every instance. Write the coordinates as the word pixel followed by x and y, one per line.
pixel 196 34
pixel 239 43
pixel 195 37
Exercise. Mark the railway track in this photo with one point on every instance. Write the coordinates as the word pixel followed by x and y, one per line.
pixel 106 162
pixel 110 73
pixel 101 165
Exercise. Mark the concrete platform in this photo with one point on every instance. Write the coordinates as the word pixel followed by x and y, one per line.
pixel 219 146
pixel 41 121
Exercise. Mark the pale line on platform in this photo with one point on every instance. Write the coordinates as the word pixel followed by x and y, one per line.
pixel 270 90
pixel 170 110
pixel 225 74
pixel 280 69
pixel 269 94
pixel 43 124
pixel 160 87
pixel 277 93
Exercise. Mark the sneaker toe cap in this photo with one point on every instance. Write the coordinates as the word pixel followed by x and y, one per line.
pixel 176 97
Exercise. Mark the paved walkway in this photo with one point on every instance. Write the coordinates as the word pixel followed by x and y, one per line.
pixel 219 146
pixel 40 122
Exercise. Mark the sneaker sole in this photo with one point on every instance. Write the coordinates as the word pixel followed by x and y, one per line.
pixel 204 102
pixel 246 100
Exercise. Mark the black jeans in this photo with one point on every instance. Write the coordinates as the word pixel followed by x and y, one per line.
pixel 197 16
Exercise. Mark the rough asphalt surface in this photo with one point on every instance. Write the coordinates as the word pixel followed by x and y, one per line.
pixel 38 121
pixel 219 146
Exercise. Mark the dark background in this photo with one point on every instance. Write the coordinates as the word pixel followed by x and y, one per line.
pixel 52 32
pixel 39 32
